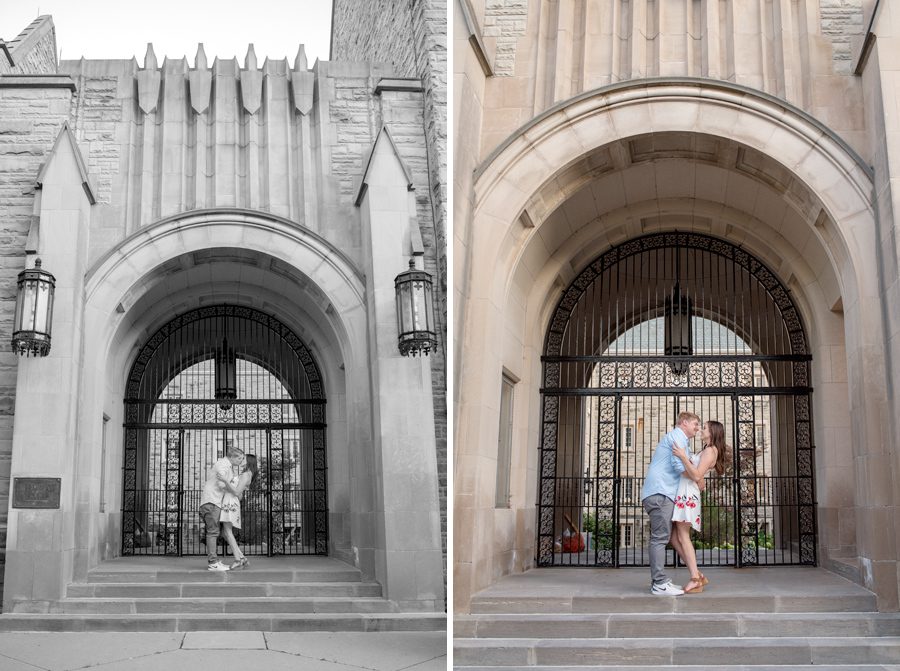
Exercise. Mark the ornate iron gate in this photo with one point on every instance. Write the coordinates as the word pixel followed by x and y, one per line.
pixel 665 323
pixel 210 378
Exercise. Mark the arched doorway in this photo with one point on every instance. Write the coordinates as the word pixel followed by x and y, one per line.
pixel 660 324
pixel 213 377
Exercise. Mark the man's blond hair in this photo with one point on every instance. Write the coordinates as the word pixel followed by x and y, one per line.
pixel 233 451
pixel 686 417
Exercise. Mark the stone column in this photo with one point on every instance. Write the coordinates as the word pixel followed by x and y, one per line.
pixel 41 542
pixel 408 541
pixel 877 462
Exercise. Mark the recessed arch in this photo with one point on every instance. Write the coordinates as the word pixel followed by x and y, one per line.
pixel 544 163
pixel 592 397
pixel 195 389
pixel 253 260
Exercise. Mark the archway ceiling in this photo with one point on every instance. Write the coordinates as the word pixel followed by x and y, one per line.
pixel 228 275
pixel 685 181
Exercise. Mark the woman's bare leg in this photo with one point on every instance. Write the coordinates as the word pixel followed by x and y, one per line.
pixel 675 542
pixel 683 531
pixel 232 543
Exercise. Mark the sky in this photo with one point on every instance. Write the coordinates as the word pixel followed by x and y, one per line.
pixel 107 29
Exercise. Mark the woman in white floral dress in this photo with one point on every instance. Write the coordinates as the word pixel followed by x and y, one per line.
pixel 687 499
pixel 230 517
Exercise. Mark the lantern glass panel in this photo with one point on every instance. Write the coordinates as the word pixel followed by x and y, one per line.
pixel 42 306
pixel 19 323
pixel 429 315
pixel 407 318
pixel 418 304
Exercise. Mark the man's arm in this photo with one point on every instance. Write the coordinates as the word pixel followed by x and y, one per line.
pixel 695 474
pixel 224 475
pixel 677 465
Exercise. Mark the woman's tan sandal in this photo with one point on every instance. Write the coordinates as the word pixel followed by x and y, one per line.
pixel 698 585
pixel 703 579
pixel 243 562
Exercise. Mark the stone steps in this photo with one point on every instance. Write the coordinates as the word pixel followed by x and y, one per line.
pixel 861 601
pixel 271 605
pixel 716 667
pixel 847 567
pixel 158 594
pixel 242 575
pixel 233 589
pixel 662 652
pixel 363 622
pixel 649 625
pixel 745 619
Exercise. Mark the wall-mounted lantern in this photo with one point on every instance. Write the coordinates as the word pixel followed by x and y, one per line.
pixel 226 375
pixel 34 312
pixel 415 314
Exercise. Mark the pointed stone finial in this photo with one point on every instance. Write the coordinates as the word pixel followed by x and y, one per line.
pixel 150 58
pixel 251 83
pixel 303 83
pixel 148 81
pixel 250 59
pixel 300 63
pixel 200 82
pixel 200 61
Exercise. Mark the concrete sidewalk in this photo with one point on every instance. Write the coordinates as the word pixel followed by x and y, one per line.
pixel 190 651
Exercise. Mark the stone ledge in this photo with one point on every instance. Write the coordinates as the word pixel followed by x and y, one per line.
pixel 397 84
pixel 37 82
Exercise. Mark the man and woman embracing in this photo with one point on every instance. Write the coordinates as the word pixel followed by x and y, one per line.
pixel 220 505
pixel 671 497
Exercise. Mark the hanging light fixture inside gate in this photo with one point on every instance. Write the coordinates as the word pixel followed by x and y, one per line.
pixel 34 312
pixel 415 316
pixel 226 374
pixel 678 336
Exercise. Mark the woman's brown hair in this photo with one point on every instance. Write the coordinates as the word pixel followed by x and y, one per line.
pixel 252 467
pixel 717 440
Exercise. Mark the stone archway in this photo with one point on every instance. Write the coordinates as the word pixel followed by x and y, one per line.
pixel 186 262
pixel 557 194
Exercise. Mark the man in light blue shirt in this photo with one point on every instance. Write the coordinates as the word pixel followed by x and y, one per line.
pixel 658 497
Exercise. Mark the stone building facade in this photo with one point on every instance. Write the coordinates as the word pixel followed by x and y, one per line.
pixel 588 129
pixel 423 55
pixel 281 194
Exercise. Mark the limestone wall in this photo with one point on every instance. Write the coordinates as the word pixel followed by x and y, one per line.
pixel 33 51
pixel 424 56
pixel 30 118
pixel 842 22
pixel 547 51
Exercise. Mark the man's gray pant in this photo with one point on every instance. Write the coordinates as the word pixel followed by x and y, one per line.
pixel 659 509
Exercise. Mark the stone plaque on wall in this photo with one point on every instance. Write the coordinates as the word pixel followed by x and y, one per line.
pixel 36 492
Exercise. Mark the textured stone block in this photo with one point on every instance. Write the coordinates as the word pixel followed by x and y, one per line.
pixel 742 651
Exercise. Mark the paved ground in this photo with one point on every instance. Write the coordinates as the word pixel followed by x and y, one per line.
pixel 196 651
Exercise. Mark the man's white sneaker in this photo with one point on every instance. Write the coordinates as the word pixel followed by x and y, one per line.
pixel 219 566
pixel 666 589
